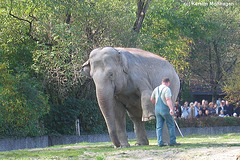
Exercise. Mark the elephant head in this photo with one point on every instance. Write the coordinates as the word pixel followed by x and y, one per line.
pixel 108 68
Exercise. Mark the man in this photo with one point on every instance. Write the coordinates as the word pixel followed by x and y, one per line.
pixel 161 98
pixel 221 108
pixel 178 110
pixel 211 109
pixel 200 114
pixel 229 108
pixel 196 108
pixel 237 109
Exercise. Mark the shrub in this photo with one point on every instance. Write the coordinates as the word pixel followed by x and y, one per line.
pixel 61 118
pixel 200 122
pixel 209 122
pixel 22 104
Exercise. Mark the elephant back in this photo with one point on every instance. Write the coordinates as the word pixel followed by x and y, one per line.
pixel 153 67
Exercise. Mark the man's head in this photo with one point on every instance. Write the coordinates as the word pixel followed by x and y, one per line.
pixel 207 112
pixel 166 81
pixel 211 104
pixel 227 103
pixel 200 112
pixel 237 104
pixel 195 103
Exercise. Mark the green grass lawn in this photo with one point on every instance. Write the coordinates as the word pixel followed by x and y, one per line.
pixel 99 151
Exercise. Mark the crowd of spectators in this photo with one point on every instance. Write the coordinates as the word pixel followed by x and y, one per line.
pixel 196 109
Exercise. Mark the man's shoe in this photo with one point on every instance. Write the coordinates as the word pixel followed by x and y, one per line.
pixel 163 145
pixel 175 144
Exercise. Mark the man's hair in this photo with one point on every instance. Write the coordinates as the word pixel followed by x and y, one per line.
pixel 165 80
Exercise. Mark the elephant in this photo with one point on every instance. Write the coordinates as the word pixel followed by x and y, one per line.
pixel 124 79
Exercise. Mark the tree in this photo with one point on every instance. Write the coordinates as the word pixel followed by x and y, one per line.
pixel 142 6
pixel 231 85
pixel 216 52
pixel 201 41
pixel 162 34
pixel 22 101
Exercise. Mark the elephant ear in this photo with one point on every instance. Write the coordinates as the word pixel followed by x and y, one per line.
pixel 123 61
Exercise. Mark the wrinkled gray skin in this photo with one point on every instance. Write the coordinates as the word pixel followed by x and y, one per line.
pixel 125 79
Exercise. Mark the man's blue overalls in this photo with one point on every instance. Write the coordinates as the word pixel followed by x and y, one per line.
pixel 162 114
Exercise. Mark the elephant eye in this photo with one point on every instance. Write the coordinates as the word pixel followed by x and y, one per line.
pixel 110 75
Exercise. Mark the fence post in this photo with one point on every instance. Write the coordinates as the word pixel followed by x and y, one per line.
pixel 77 123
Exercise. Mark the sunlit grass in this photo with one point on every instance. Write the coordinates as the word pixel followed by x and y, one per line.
pixel 100 150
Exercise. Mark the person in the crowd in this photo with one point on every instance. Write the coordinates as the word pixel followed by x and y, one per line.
pixel 223 103
pixel 222 114
pixel 185 110
pixel 178 110
pixel 204 108
pixel 203 102
pixel 199 114
pixel 211 109
pixel 235 115
pixel 207 114
pixel 206 103
pixel 191 111
pixel 237 109
pixel 196 108
pixel 221 108
pixel 199 107
pixel 216 108
pixel 218 102
pixel 229 108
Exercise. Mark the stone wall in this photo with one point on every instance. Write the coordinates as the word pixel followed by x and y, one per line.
pixel 45 141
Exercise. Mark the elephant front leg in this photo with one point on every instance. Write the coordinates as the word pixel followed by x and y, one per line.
pixel 148 112
pixel 120 114
pixel 140 132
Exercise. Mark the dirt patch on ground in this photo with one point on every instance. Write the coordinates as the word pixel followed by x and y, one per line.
pixel 220 153
pixel 167 153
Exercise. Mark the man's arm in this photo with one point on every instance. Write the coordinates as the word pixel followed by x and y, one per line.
pixel 152 100
pixel 169 104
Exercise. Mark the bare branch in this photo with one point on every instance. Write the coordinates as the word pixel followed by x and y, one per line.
pixel 30 25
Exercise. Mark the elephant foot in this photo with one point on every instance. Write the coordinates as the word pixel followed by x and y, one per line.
pixel 141 144
pixel 137 144
pixel 125 146
pixel 145 119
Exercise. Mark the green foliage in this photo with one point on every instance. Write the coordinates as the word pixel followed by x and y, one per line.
pixel 200 122
pixel 61 118
pixel 22 104
pixel 231 84
pixel 163 32
pixel 22 101
pixel 45 42
pixel 209 122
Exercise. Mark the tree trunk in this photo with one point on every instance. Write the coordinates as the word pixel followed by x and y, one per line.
pixel 142 6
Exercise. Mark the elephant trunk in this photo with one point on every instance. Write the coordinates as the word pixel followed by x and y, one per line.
pixel 106 103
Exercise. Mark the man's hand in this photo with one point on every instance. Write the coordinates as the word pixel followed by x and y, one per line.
pixel 169 103
pixel 171 112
